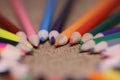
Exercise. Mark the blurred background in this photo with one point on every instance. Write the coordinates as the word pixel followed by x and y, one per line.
pixel 47 59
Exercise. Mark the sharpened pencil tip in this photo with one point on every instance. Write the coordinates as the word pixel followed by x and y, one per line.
pixel 71 41
pixel 42 39
pixel 30 52
pixel 81 42
pixel 56 44
pixel 91 50
pixel 52 40
pixel 34 40
pixel 36 44
pixel 20 58
pixel 102 51
pixel 102 54
pixel 80 49
pixel 30 46
pixel 23 51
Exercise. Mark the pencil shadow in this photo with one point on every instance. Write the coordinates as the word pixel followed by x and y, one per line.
pixel 61 45
pixel 30 53
pixel 93 53
pixel 43 42
pixel 71 45
pixel 36 47
pixel 83 51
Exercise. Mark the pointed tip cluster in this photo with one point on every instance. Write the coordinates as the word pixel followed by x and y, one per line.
pixel 81 42
pixel 36 44
pixel 91 50
pixel 56 44
pixel 71 41
pixel 80 49
pixel 42 39
pixel 52 40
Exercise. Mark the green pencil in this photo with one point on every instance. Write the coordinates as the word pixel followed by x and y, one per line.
pixel 92 43
pixel 106 24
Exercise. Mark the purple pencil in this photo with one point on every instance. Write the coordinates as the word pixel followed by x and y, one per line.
pixel 56 29
pixel 108 32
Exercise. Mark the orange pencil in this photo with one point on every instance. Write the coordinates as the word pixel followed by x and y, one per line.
pixel 97 76
pixel 102 12
pixel 1 49
pixel 65 35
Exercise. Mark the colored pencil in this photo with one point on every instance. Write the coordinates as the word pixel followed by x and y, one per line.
pixel 4 23
pixel 3 45
pixel 25 21
pixel 46 21
pixel 90 44
pixel 108 74
pixel 108 32
pixel 3 40
pixel 109 63
pixel 106 24
pixel 63 38
pixel 105 44
pixel 114 74
pixel 57 27
pixel 94 21
pixel 3 67
pixel 8 35
pixel 23 70
pixel 4 71
pixel 17 44
pixel 96 75
pixel 111 51
pixel 11 52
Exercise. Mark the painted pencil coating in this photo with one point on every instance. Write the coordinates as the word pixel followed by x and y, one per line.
pixel 9 35
pixel 46 21
pixel 94 21
pixel 92 43
pixel 108 32
pixel 106 24
pixel 4 23
pixel 3 40
pixel 57 27
pixel 25 21
pixel 63 38
pixel 13 29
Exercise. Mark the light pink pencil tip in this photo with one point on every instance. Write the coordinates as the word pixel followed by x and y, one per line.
pixel 36 44
pixel 71 41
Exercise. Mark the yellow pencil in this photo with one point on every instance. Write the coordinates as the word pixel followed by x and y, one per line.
pixel 10 36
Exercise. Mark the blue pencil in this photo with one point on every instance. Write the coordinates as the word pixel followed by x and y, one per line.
pixel 46 22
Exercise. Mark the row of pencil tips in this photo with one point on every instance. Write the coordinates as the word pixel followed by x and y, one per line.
pixel 102 40
pixel 107 45
pixel 12 66
pixel 107 69
pixel 94 20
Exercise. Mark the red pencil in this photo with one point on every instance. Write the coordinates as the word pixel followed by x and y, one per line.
pixel 6 24
pixel 101 14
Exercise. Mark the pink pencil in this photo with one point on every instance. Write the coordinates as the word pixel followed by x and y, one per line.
pixel 11 49
pixel 2 45
pixel 26 23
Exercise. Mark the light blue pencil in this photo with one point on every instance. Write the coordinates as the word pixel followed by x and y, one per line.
pixel 46 22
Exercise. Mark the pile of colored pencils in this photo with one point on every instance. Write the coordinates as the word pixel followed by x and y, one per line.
pixel 94 31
